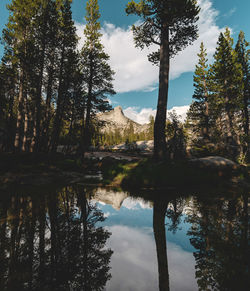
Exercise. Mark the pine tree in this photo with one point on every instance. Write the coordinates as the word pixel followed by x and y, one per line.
pixel 39 73
pixel 8 91
pixel 199 109
pixel 19 47
pixel 150 133
pixel 226 85
pixel 51 68
pixel 97 73
pixel 243 57
pixel 171 25
pixel 67 66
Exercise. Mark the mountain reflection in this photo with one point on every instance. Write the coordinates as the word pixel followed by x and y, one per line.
pixel 52 242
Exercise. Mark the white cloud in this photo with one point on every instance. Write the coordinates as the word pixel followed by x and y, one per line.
pixel 134 72
pixel 230 12
pixel 186 60
pixel 181 111
pixel 142 116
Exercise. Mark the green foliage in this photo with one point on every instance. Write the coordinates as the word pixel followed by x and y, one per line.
pixel 221 100
pixel 179 17
pixel 226 81
pixel 176 143
pixel 199 115
pixel 150 133
pixel 39 65
pixel 243 57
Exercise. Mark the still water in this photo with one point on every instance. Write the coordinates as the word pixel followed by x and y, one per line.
pixel 80 238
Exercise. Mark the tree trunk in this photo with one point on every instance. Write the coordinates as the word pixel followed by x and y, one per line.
pixel 11 121
pixel 160 149
pixel 159 213
pixel 26 123
pixel 206 128
pixel 86 139
pixel 246 124
pixel 19 124
pixel 58 117
pixel 37 127
pixel 47 115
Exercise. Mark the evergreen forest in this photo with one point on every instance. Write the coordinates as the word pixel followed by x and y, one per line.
pixel 51 90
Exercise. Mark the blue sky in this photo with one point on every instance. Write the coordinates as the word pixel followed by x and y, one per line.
pixel 136 79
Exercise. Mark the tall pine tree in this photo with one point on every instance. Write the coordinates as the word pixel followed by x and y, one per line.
pixel 243 57
pixel 199 114
pixel 19 47
pixel 171 26
pixel 68 62
pixel 227 86
pixel 97 73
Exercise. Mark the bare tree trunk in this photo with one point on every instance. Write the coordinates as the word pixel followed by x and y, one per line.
pixel 246 124
pixel 160 149
pixel 86 139
pixel 58 117
pixel 10 122
pixel 37 126
pixel 26 123
pixel 19 124
pixel 47 115
pixel 206 128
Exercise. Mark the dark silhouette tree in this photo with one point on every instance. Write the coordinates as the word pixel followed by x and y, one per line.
pixel 171 25
pixel 53 242
pixel 159 214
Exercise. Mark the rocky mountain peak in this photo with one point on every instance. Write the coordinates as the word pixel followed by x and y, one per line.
pixel 118 109
pixel 115 119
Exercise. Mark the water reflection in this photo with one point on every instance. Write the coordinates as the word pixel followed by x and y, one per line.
pixel 53 242
pixel 220 235
pixel 64 240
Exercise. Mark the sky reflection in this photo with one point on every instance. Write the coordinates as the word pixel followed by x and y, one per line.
pixel 134 261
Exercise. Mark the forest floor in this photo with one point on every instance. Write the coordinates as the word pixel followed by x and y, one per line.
pixel 121 170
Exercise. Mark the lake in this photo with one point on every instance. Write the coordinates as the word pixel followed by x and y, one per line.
pixel 85 238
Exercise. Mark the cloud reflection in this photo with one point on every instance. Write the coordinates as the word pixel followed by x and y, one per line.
pixel 134 262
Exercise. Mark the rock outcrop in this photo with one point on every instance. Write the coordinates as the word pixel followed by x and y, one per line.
pixel 214 163
pixel 116 120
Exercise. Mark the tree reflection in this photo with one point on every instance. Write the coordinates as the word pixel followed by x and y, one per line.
pixel 220 234
pixel 171 208
pixel 53 242
pixel 159 213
